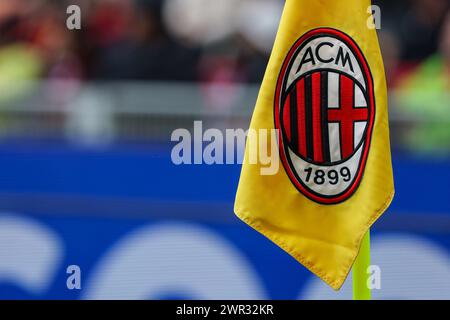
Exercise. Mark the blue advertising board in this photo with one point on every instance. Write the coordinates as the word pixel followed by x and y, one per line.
pixel 134 225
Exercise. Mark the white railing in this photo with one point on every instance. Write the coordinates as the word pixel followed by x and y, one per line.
pixel 140 110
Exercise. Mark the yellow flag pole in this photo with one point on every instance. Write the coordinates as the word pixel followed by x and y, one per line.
pixel 361 290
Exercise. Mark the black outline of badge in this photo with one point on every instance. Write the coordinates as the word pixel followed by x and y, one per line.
pixel 370 97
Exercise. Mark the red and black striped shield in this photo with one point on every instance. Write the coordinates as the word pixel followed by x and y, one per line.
pixel 324 110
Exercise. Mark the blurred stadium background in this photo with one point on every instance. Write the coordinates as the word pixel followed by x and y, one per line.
pixel 85 170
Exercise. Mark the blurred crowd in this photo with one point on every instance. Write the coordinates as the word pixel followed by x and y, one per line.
pixel 415 41
pixel 192 40
pixel 136 40
pixel 211 41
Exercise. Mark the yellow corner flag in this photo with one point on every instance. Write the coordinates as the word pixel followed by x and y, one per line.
pixel 324 97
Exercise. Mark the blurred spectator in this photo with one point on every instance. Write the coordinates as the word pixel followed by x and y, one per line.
pixel 391 56
pixel 143 50
pixel 20 62
pixel 57 45
pixel 426 95
pixel 200 22
pixel 419 28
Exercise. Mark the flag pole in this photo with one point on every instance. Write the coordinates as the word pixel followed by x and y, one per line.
pixel 361 291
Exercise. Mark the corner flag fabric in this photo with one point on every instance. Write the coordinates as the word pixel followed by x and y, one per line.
pixel 324 92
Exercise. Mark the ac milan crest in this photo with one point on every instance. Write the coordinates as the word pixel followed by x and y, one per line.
pixel 325 111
